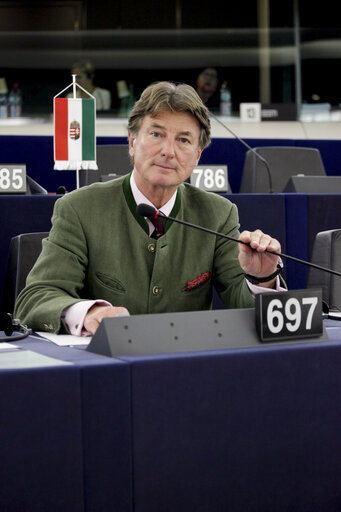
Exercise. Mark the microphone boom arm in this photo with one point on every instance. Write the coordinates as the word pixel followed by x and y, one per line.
pixel 222 235
pixel 264 162
pixel 148 211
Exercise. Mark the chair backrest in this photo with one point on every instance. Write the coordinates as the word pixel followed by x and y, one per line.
pixel 34 188
pixel 327 253
pixel 283 162
pixel 112 160
pixel 23 252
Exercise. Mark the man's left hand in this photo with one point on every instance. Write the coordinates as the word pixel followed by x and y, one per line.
pixel 254 260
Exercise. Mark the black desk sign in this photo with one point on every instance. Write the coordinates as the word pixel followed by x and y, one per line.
pixel 212 178
pixel 12 178
pixel 289 315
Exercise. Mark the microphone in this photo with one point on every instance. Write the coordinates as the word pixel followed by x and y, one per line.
pixel 264 162
pixel 61 190
pixel 8 324
pixel 145 210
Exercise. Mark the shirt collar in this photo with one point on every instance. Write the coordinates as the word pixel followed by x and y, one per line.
pixel 141 198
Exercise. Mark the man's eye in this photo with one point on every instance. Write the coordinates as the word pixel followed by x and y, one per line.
pixel 155 134
pixel 184 140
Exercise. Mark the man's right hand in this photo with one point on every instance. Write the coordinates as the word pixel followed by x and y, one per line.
pixel 96 314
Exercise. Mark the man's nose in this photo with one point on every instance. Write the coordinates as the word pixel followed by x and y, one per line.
pixel 168 146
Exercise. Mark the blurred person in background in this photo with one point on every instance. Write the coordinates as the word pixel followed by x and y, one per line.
pixel 207 87
pixel 85 75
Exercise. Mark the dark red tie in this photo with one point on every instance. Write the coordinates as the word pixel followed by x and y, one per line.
pixel 159 224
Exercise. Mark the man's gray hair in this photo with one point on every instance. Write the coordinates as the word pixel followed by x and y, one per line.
pixel 162 96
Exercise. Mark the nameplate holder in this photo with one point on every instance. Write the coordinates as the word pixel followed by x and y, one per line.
pixel 190 331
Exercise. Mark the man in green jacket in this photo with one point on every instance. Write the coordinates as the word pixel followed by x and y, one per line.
pixel 101 258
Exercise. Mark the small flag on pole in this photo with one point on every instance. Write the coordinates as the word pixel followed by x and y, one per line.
pixel 74 131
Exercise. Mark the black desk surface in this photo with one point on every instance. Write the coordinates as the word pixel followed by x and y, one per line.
pixel 254 429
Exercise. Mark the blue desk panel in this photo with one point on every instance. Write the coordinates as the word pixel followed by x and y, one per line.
pixel 22 214
pixel 66 434
pixel 250 429
pixel 263 211
pixel 41 448
pixel 330 152
pixel 240 430
pixel 36 151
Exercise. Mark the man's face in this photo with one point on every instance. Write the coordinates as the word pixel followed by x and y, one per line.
pixel 207 80
pixel 165 150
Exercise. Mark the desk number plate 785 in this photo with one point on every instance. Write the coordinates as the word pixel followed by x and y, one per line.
pixel 12 178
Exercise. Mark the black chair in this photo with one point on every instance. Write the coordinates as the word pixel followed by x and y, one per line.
pixel 23 252
pixel 327 253
pixel 283 162
pixel 112 160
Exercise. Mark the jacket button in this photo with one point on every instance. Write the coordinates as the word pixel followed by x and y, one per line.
pixel 156 290
pixel 151 248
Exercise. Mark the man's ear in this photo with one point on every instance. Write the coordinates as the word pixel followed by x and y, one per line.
pixel 198 155
pixel 131 140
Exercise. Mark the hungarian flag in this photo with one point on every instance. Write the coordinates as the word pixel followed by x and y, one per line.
pixel 74 133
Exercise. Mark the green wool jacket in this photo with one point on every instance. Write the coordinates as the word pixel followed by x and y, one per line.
pixel 99 248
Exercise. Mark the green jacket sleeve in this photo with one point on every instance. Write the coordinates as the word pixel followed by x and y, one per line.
pixel 56 280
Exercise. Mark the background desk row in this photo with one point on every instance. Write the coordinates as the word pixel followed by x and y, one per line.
pixel 240 429
pixel 36 151
pixel 292 218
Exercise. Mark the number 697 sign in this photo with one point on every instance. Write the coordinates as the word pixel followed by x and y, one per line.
pixel 289 315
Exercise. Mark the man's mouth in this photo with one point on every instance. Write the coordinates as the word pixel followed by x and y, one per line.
pixel 165 167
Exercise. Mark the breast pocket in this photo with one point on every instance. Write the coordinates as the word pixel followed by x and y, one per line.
pixel 111 283
pixel 198 282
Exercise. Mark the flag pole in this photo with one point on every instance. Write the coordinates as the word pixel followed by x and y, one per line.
pixel 74 97
pixel 74 86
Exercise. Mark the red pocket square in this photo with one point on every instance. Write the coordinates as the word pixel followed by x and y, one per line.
pixel 198 281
